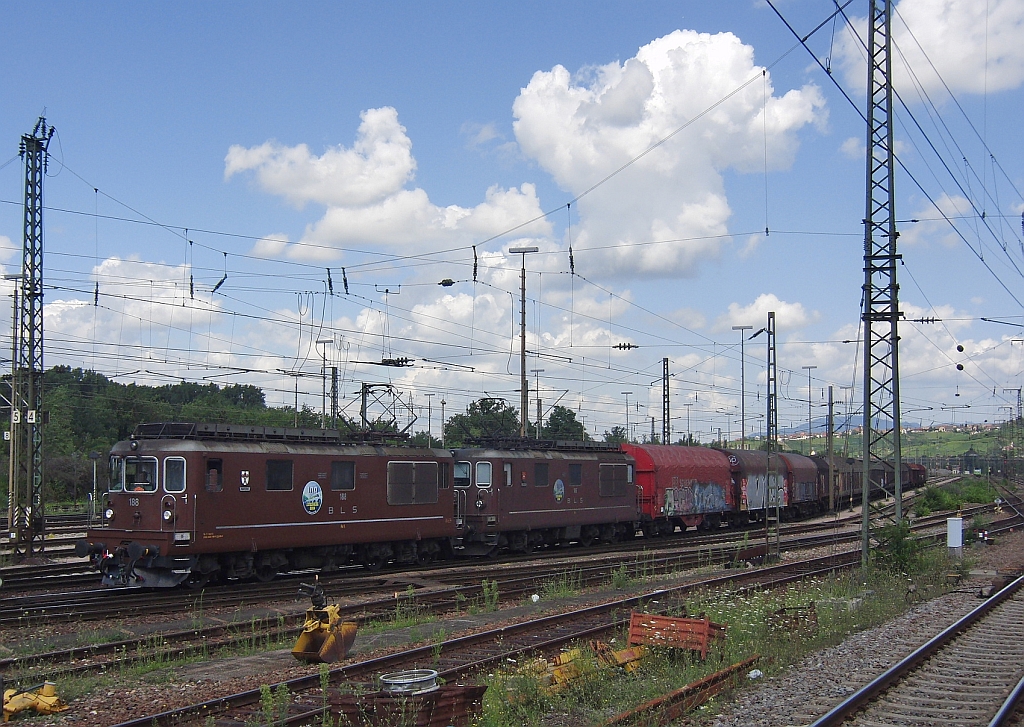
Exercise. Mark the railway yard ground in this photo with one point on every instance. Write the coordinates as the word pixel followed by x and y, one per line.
pixel 874 621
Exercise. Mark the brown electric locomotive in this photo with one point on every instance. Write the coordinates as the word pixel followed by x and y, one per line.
pixel 192 502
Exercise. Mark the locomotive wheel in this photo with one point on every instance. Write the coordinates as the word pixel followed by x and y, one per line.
pixel 265 573
pixel 424 557
pixel 198 580
pixel 373 563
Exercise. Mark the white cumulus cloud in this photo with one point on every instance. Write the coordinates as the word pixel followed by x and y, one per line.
pixel 972 46
pixel 583 128
pixel 365 190
pixel 787 315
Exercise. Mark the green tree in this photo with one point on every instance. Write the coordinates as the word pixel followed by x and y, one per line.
pixel 562 424
pixel 422 439
pixel 616 436
pixel 483 419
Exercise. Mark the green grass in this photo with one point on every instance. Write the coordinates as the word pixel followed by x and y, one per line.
pixel 516 700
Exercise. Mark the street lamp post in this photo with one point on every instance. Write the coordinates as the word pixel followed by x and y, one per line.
pixel 524 387
pixel 94 456
pixel 743 387
pixel 810 429
pixel 323 377
pixel 443 402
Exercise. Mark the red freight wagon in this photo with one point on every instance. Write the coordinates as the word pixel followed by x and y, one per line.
pixel 682 486
pixel 802 482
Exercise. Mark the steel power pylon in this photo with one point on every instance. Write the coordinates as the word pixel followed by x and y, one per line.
pixel 772 485
pixel 881 431
pixel 666 419
pixel 27 507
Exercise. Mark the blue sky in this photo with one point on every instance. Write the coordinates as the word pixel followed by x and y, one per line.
pixel 390 138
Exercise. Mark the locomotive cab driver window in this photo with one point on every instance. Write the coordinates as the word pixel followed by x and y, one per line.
pixel 140 474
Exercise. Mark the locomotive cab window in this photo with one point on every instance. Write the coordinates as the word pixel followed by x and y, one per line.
pixel 614 479
pixel 214 475
pixel 442 478
pixel 279 474
pixel 116 483
pixel 508 474
pixel 140 474
pixel 575 475
pixel 483 474
pixel 540 474
pixel 412 483
pixel 174 474
pixel 343 476
pixel 462 471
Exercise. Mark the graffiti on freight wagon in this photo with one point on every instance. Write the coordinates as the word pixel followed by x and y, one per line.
pixel 694 497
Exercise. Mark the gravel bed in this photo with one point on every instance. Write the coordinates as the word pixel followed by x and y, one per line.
pixel 808 689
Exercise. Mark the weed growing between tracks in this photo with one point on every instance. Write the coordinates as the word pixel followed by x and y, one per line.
pixel 566 584
pixel 843 604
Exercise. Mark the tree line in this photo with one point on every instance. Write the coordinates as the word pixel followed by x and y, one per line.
pixel 89 412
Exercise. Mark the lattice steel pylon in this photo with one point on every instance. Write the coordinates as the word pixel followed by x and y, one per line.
pixel 666 418
pixel 27 506
pixel 773 491
pixel 881 431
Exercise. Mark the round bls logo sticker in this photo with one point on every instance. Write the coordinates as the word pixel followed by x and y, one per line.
pixel 559 490
pixel 312 497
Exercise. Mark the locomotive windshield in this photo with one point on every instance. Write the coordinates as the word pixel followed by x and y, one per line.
pixel 140 474
pixel 462 471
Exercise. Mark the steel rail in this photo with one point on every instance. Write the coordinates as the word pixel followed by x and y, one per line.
pixel 1009 707
pixel 856 701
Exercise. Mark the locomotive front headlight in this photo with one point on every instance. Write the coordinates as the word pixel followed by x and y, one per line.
pixel 109 513
pixel 168 516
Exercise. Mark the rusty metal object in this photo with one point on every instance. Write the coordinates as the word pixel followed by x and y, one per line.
pixel 451 704
pixel 673 705
pixel 695 634
pixel 558 673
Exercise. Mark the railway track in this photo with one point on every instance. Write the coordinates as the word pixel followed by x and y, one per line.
pixel 970 674
pixel 460 657
pixel 76 573
pixel 98 603
pixel 437 592
pixel 434 592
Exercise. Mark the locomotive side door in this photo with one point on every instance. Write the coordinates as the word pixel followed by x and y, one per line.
pixel 177 502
